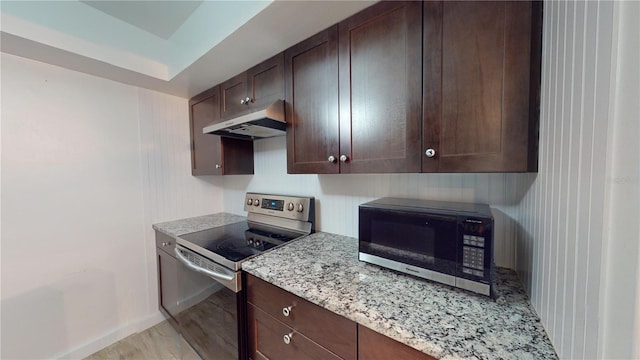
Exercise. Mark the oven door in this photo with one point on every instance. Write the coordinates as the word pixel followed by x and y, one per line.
pixel 415 243
pixel 210 310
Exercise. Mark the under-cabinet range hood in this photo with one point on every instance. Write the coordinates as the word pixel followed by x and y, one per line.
pixel 264 123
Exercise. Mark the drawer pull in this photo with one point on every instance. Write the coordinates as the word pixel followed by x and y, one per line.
pixel 164 243
pixel 287 310
pixel 287 338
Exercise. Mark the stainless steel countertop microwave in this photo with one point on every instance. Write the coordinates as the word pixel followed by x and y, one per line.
pixel 447 242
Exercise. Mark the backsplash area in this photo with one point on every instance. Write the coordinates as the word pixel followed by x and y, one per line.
pixel 338 195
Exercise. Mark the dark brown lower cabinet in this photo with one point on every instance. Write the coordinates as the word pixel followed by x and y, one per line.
pixel 284 326
pixel 167 277
pixel 375 346
pixel 271 308
pixel 271 339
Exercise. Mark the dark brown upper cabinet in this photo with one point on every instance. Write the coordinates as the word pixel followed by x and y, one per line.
pixel 311 106
pixel 481 84
pixel 254 89
pixel 380 54
pixel 423 87
pixel 373 61
pixel 211 154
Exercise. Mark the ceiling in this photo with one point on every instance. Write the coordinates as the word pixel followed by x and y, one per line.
pixel 161 18
pixel 177 47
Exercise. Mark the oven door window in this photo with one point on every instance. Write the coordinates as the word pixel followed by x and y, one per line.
pixel 208 315
pixel 416 239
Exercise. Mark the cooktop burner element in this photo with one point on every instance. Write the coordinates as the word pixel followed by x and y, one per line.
pixel 272 221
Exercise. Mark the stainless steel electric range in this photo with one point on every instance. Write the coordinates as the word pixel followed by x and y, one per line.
pixel 211 312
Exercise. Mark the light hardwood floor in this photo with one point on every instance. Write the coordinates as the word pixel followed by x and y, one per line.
pixel 159 342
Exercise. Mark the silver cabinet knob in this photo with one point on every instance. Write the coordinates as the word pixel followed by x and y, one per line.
pixel 430 153
pixel 344 158
pixel 166 243
pixel 218 166
pixel 242 102
pixel 331 159
pixel 287 338
pixel 287 310
pixel 299 208
pixel 290 206
pixel 247 100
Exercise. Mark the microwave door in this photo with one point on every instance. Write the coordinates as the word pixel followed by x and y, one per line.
pixel 424 241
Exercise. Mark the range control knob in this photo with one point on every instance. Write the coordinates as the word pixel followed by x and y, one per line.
pixel 256 202
pixel 249 201
pixel 290 206
pixel 299 208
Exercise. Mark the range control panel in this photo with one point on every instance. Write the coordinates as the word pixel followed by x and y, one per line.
pixel 289 207
pixel 272 204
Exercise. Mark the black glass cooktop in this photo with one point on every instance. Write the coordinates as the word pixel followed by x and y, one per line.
pixel 233 243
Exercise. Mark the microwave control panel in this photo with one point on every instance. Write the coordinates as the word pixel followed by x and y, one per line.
pixel 474 248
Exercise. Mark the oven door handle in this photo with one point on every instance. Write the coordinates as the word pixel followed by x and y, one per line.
pixel 213 274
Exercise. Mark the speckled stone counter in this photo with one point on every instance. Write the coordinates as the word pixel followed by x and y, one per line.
pixel 186 226
pixel 438 320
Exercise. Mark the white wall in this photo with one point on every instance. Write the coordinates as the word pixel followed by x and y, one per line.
pixel 562 220
pixel 170 192
pixel 621 290
pixel 87 165
pixel 338 196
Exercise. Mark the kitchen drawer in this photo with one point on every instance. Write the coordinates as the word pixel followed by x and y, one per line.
pixel 266 340
pixel 166 243
pixel 330 330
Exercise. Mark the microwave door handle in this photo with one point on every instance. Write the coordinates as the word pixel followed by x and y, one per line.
pixel 189 264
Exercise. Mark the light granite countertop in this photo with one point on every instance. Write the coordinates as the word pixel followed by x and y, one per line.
pixel 443 322
pixel 186 226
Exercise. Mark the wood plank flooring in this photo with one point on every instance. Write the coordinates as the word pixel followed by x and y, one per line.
pixel 159 342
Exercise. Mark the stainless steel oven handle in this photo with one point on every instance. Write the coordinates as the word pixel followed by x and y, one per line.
pixel 213 274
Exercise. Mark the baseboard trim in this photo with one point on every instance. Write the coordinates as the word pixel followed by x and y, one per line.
pixel 111 337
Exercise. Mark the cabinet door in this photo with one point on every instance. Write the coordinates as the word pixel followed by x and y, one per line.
pixel 233 92
pixel 168 285
pixel 374 346
pixel 311 78
pixel 266 82
pixel 380 89
pixel 476 101
pixel 206 156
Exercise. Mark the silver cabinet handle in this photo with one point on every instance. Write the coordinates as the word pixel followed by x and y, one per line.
pixel 344 158
pixel 287 310
pixel 331 159
pixel 287 338
pixel 218 166
pixel 430 153
pixel 189 264
pixel 165 243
